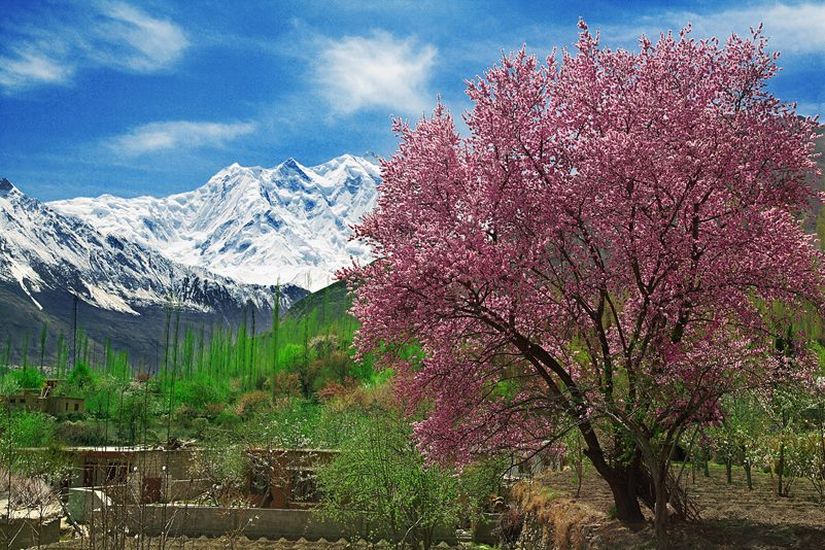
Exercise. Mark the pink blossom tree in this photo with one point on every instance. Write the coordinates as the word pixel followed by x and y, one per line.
pixel 595 255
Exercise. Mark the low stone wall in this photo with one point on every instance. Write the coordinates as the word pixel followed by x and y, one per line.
pixel 26 533
pixel 196 521
pixel 179 489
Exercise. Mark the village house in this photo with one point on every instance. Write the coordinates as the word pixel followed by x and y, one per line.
pixel 276 478
pixel 44 400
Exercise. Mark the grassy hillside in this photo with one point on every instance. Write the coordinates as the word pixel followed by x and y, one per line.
pixel 330 304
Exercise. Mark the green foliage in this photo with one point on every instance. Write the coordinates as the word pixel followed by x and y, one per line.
pixel 209 380
pixel 27 378
pixel 381 477
pixel 290 356
pixel 27 429
pixel 81 377
pixel 8 386
pixel 200 390
pixel 292 424
pixel 478 483
pixel 81 433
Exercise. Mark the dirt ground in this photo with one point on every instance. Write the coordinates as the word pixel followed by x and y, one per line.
pixel 731 515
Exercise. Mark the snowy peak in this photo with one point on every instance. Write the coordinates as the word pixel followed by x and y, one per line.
pixel 6 186
pixel 288 224
pixel 291 166
pixel 353 166
pixel 43 250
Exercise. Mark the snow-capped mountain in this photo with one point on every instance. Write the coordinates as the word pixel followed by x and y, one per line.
pixel 287 224
pixel 44 250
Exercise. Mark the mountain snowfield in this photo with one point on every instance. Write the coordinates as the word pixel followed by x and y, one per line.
pixel 44 252
pixel 287 224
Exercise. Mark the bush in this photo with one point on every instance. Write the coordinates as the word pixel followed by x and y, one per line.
pixel 286 384
pixel 291 423
pixel 82 432
pixel 380 475
pixel 81 378
pixel 32 429
pixel 28 378
pixel 200 391
pixel 251 402
pixel 227 418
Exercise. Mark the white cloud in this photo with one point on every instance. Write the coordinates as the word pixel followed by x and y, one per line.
pixel 29 66
pixel 175 135
pixel 138 41
pixel 793 28
pixel 49 49
pixel 376 71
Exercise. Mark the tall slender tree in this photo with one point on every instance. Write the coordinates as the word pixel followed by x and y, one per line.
pixel 43 335
pixel 74 330
pixel 276 329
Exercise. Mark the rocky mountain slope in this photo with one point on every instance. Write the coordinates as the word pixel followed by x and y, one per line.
pixel 47 258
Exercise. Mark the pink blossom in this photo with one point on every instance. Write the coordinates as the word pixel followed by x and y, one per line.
pixel 600 245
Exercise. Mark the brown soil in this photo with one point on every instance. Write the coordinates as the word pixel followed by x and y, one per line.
pixel 731 515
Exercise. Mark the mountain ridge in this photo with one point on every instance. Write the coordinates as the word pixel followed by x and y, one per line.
pixel 48 258
pixel 286 224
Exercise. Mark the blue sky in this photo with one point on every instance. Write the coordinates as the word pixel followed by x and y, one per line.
pixel 154 97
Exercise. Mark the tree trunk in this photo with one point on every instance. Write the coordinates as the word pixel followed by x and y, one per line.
pixel 660 516
pixel 780 471
pixel 623 486
pixel 748 476
pixel 660 510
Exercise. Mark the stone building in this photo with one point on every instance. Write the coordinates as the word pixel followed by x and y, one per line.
pixel 44 400
pixel 140 474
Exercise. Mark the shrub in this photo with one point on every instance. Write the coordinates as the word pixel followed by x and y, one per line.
pixel 81 377
pixel 251 402
pixel 83 432
pixel 32 429
pixel 27 378
pixel 227 418
pixel 286 384
pixel 200 391
pixel 379 474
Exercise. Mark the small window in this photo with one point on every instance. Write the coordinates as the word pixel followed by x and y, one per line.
pixel 67 406
pixel 76 407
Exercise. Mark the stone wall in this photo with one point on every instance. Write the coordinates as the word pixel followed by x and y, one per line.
pixel 292 524
pixel 26 533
